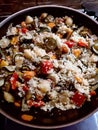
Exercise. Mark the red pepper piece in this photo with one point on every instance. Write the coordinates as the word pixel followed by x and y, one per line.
pixel 24 30
pixel 46 66
pixel 35 103
pixel 70 44
pixel 82 44
pixel 25 88
pixel 13 80
pixel 78 99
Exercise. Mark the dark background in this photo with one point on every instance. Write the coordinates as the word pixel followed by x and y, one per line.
pixel 7 7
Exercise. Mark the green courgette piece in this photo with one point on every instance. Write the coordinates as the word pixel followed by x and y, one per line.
pixel 50 43
pixel 8 97
pixel 94 48
pixel 2 82
pixel 17 55
pixel 44 29
pixel 10 68
pixel 94 85
pixel 46 57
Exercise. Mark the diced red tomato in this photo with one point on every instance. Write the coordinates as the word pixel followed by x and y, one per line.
pixel 13 80
pixel 24 30
pixel 35 103
pixel 25 88
pixel 46 66
pixel 70 44
pixel 78 99
pixel 93 93
pixel 82 44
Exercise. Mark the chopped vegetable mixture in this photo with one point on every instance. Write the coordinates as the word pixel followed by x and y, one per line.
pixel 48 62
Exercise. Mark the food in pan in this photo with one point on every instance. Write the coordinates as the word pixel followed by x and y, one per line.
pixel 48 62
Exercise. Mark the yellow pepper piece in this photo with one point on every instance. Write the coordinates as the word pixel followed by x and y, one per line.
pixel 28 74
pixel 3 63
pixel 76 52
pixel 14 40
pixel 79 80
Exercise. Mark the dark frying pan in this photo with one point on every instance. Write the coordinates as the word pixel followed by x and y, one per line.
pixel 55 118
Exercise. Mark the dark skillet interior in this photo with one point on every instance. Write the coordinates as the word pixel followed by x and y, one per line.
pixel 56 117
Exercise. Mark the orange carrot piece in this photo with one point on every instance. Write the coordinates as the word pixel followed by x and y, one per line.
pixel 76 52
pixel 79 80
pixel 51 24
pixel 17 104
pixel 26 117
pixel 23 24
pixel 29 74
pixel 53 56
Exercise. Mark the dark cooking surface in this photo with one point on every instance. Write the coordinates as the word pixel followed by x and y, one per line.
pixel 90 123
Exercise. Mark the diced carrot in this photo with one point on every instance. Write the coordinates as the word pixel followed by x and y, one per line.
pixel 51 24
pixel 79 80
pixel 26 117
pixel 17 104
pixel 23 24
pixel 28 74
pixel 53 56
pixel 76 52
pixel 92 93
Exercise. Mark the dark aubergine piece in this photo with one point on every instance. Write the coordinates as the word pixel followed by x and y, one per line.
pixel 55 29
pixel 26 41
